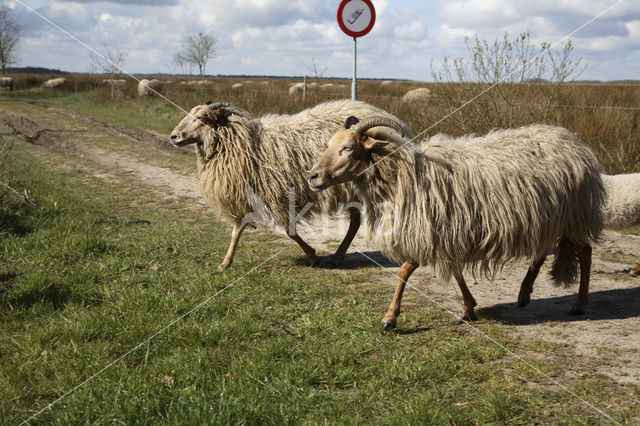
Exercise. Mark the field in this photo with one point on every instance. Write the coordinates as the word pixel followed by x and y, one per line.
pixel 113 310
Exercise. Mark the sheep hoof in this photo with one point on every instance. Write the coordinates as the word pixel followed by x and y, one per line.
pixel 387 326
pixel 335 261
pixel 469 317
pixel 634 273
pixel 523 302
pixel 223 267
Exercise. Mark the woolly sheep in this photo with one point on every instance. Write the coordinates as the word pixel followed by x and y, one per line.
pixel 241 157
pixel 115 82
pixel 296 89
pixel 238 87
pixel 386 83
pixel 6 82
pixel 509 194
pixel 54 83
pixel 145 88
pixel 417 95
pixel 623 204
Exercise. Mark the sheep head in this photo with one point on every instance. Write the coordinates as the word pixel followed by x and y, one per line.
pixel 200 119
pixel 352 150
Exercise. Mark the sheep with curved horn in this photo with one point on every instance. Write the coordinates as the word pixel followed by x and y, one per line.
pixel 510 194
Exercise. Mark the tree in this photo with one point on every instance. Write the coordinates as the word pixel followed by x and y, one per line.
pixel 197 50
pixel 505 83
pixel 9 37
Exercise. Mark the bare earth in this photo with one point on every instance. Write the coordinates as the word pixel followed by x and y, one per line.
pixel 608 332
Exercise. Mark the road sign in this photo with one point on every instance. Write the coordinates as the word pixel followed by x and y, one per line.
pixel 356 17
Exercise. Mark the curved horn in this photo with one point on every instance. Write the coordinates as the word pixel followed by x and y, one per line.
pixel 217 105
pixel 370 122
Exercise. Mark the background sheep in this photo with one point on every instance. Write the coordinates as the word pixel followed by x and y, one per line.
pixel 420 94
pixel 509 194
pixel 296 89
pixel 238 87
pixel 267 157
pixel 145 88
pixel 623 204
pixel 6 82
pixel 118 82
pixel 54 83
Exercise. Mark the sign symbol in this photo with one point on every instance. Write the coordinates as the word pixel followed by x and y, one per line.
pixel 355 15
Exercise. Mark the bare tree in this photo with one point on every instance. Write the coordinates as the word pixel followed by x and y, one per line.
pixel 197 50
pixel 108 60
pixel 9 37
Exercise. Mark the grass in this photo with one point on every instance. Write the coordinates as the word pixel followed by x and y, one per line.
pixel 99 266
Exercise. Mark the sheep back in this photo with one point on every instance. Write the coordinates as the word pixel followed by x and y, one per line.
pixel 622 208
pixel 480 202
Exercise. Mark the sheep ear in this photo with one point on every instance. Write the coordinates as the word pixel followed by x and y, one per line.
pixel 208 103
pixel 376 146
pixel 350 121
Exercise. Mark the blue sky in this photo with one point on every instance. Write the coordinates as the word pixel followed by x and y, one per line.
pixel 280 37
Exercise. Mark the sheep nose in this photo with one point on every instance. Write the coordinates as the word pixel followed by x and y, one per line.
pixel 174 137
pixel 313 176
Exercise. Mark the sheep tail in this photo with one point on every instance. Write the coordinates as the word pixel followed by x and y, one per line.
pixel 565 266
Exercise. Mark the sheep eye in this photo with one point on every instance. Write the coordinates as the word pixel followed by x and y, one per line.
pixel 347 148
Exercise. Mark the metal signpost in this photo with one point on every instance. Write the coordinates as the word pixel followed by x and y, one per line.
pixel 356 18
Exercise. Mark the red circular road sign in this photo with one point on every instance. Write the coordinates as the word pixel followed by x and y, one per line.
pixel 356 17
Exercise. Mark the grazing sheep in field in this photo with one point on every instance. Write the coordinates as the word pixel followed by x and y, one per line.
pixel 269 157
pixel 119 82
pixel 238 87
pixel 420 94
pixel 145 88
pixel 54 83
pixel 6 82
pixel 510 194
pixel 296 89
pixel 386 83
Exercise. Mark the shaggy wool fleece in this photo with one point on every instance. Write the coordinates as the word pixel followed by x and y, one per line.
pixel 480 202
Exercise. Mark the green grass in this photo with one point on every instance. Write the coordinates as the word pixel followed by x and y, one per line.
pixel 98 267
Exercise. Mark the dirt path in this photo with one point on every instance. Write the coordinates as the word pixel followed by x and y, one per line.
pixel 609 333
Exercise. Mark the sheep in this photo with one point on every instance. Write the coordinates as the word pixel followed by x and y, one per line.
pixel 268 157
pixel 238 87
pixel 386 83
pixel 54 83
pixel 145 88
pixel 420 94
pixel 296 89
pixel 623 204
pixel 115 82
pixel 510 194
pixel 6 82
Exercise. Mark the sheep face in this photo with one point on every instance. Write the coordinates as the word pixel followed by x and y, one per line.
pixel 348 156
pixel 199 120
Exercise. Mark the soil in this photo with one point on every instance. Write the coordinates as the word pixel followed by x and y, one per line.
pixel 609 332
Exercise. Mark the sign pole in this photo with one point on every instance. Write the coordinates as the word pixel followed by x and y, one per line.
pixel 354 82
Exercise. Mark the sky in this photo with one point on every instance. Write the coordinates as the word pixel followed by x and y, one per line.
pixel 286 37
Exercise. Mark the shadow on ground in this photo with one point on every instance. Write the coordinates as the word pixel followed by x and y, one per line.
pixel 603 305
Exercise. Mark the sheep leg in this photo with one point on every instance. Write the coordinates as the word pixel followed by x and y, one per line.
pixel 584 257
pixel 354 225
pixel 389 320
pixel 468 314
pixel 635 271
pixel 235 236
pixel 308 250
pixel 526 288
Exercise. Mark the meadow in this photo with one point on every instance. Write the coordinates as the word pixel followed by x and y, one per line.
pixel 110 298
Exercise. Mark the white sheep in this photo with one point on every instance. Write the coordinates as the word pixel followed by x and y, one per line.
pixel 6 82
pixel 145 88
pixel 237 87
pixel 420 94
pixel 623 204
pixel 509 194
pixel 296 89
pixel 240 158
pixel 54 83
pixel 118 82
